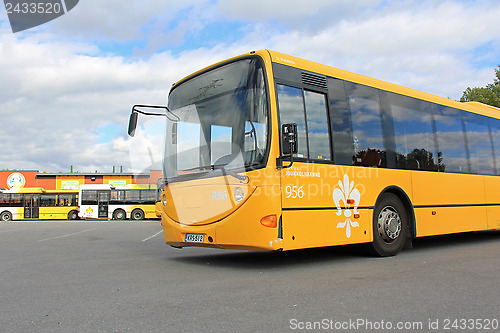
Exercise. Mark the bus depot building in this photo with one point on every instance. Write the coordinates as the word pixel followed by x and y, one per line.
pixel 18 179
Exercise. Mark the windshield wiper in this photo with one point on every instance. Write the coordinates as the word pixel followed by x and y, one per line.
pixel 230 173
pixel 201 167
pixel 218 167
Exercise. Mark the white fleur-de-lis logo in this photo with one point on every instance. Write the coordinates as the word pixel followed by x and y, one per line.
pixel 349 195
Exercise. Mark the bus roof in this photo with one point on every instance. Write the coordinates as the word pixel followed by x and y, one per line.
pixel 118 187
pixel 24 190
pixel 482 105
pixel 287 60
pixel 307 65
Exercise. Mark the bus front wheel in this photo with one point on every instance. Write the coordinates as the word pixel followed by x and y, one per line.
pixel 137 214
pixel 119 214
pixel 390 227
pixel 6 216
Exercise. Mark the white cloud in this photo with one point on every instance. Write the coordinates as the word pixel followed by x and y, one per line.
pixel 430 46
pixel 52 106
pixel 120 21
pixel 295 13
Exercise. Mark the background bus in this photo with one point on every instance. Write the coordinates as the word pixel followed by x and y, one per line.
pixel 37 203
pixel 266 151
pixel 102 201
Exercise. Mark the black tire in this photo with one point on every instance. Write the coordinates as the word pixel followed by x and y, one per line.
pixel 119 214
pixel 390 227
pixel 137 214
pixel 73 215
pixel 6 216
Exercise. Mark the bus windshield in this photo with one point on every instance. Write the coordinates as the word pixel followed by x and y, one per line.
pixel 219 122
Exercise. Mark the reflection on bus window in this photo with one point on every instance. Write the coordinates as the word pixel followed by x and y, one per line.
pixel 414 136
pixel 291 107
pixel 217 114
pixel 495 135
pixel 317 125
pixel 452 155
pixel 368 140
pixel 221 142
pixel 188 145
pixel 479 144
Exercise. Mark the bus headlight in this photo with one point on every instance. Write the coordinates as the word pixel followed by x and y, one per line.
pixel 164 200
pixel 239 194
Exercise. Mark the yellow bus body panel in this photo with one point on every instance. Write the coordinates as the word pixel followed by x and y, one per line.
pixel 241 229
pixel 55 213
pixel 492 187
pixel 158 209
pixel 204 201
pixel 315 220
pixel 149 210
pixel 450 202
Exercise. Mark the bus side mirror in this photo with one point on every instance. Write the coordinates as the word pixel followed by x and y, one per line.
pixel 132 124
pixel 289 142
pixel 289 139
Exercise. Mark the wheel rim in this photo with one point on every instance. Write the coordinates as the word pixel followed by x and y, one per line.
pixel 137 215
pixel 120 215
pixel 389 224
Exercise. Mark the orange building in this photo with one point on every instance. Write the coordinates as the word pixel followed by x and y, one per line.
pixel 70 181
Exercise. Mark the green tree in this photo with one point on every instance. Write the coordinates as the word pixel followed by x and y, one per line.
pixel 488 95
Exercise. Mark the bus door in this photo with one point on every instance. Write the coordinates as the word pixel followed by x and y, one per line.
pixel 306 190
pixel 31 206
pixel 103 204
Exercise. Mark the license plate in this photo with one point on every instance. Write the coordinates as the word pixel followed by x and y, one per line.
pixel 194 238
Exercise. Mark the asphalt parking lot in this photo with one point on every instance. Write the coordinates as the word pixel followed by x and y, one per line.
pixel 121 277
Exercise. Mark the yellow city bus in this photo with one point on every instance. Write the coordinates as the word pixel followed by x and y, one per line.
pixel 105 201
pixel 266 151
pixel 38 204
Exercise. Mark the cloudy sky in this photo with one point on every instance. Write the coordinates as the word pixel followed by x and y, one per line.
pixel 67 87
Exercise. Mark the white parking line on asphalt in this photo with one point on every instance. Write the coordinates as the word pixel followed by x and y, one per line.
pixel 146 239
pixel 1 232
pixel 72 234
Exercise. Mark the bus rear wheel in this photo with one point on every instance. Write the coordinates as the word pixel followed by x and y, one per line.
pixel 73 215
pixel 390 227
pixel 119 214
pixel 6 216
pixel 137 214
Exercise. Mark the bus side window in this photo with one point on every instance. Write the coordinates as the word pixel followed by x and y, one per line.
pixel 413 133
pixel 495 135
pixel 48 200
pixel 340 119
pixel 16 200
pixel 480 145
pixel 89 197
pixel 368 138
pixel 452 154
pixel 317 125
pixel 291 109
